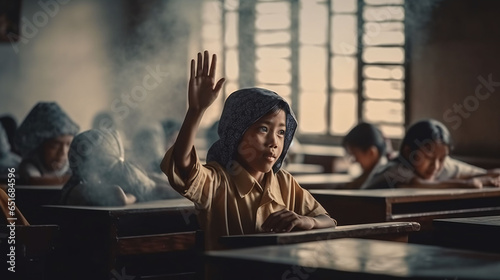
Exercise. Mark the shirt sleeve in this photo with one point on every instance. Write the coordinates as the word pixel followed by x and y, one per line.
pixel 199 185
pixel 453 169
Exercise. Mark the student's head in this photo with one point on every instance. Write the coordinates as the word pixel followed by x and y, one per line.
pixel 426 145
pixel 263 141
pixel 366 143
pixel 54 152
pixel 46 133
pixel 255 129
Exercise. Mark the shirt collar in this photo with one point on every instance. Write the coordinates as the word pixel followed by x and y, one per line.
pixel 273 188
pixel 243 180
pixel 245 183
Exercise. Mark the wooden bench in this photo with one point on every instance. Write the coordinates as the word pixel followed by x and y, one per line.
pixel 142 240
pixel 475 233
pixel 352 259
pixel 391 231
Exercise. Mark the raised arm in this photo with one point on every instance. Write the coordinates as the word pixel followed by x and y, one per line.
pixel 202 93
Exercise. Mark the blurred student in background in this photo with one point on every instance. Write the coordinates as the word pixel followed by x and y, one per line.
pixel 424 162
pixel 43 140
pixel 366 145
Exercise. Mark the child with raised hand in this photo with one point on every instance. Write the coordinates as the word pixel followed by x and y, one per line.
pixel 424 162
pixel 241 189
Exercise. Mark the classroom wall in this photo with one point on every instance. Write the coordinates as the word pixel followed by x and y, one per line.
pixel 455 72
pixel 127 57
pixel 63 56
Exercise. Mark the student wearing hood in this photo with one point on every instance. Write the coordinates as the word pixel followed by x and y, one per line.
pixel 43 140
pixel 242 188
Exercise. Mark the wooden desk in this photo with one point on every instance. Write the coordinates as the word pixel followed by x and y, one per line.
pixel 420 205
pixel 323 181
pixel 352 259
pixel 150 238
pixel 474 233
pixel 392 231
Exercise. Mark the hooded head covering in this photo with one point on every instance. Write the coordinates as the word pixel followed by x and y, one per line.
pixel 97 156
pixel 45 121
pixel 241 109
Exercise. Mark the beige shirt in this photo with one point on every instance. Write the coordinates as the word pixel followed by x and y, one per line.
pixel 234 203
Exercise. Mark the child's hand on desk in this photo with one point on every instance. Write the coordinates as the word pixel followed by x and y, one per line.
pixel 286 220
pixel 202 92
pixel 489 180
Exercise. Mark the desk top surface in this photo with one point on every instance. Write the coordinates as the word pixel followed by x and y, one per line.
pixel 157 204
pixel 358 230
pixel 493 221
pixel 411 193
pixel 373 257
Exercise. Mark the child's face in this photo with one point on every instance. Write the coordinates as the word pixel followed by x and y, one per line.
pixel 262 143
pixel 366 158
pixel 428 160
pixel 55 152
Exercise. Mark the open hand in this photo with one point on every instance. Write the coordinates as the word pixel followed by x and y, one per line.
pixel 202 88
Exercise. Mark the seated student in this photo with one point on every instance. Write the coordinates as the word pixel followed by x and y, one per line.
pixel 8 159
pixel 424 162
pixel 367 145
pixel 241 189
pixel 43 140
pixel 102 176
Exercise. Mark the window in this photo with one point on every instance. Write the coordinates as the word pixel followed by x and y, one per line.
pixel 337 62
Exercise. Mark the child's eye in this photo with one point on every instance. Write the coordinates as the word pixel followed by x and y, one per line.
pixel 263 129
pixel 281 132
